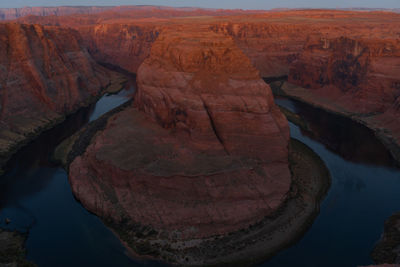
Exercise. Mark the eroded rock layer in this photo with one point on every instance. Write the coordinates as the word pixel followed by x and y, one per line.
pixel 200 76
pixel 121 45
pixel 362 75
pixel 207 154
pixel 45 74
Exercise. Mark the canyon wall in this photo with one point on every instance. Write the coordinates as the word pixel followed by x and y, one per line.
pixel 362 75
pixel 347 58
pixel 122 45
pixel 271 47
pixel 45 74
pixel 273 41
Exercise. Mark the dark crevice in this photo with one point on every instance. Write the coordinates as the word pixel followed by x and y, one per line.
pixel 117 69
pixel 214 128
pixel 275 79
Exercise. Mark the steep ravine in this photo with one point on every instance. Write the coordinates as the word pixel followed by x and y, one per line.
pixel 46 74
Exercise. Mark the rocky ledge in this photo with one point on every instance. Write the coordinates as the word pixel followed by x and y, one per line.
pixel 45 74
pixel 12 250
pixel 388 248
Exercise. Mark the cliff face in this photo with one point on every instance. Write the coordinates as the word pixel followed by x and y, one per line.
pixel 275 40
pixel 122 45
pixel 272 40
pixel 271 47
pixel 362 75
pixel 45 73
pixel 207 155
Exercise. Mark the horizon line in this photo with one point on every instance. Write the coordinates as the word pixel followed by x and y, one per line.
pixel 210 8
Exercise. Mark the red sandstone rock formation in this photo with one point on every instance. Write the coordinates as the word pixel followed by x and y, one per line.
pixel 207 155
pixel 271 47
pixel 346 58
pixel 272 40
pixel 45 74
pixel 361 75
pixel 122 45
pixel 221 85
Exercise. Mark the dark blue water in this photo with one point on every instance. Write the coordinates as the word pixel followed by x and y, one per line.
pixel 36 197
pixel 364 193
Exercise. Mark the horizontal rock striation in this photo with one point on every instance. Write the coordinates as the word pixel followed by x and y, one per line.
pixel 359 74
pixel 45 74
pixel 271 47
pixel 354 76
pixel 121 45
pixel 192 77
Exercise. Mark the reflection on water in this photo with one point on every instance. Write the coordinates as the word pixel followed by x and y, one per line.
pixel 352 141
pixel 21 179
pixel 364 193
pixel 35 196
pixel 109 102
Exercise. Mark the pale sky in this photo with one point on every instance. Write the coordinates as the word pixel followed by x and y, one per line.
pixel 245 4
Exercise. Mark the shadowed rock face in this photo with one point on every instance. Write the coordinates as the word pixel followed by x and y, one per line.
pixel 125 46
pixel 206 155
pixel 348 57
pixel 271 47
pixel 273 41
pixel 45 74
pixel 362 75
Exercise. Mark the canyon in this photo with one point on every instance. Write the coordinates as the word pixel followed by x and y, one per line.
pixel 202 153
pixel 345 67
pixel 46 74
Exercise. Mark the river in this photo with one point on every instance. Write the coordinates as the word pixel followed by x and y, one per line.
pixel 35 195
pixel 364 192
